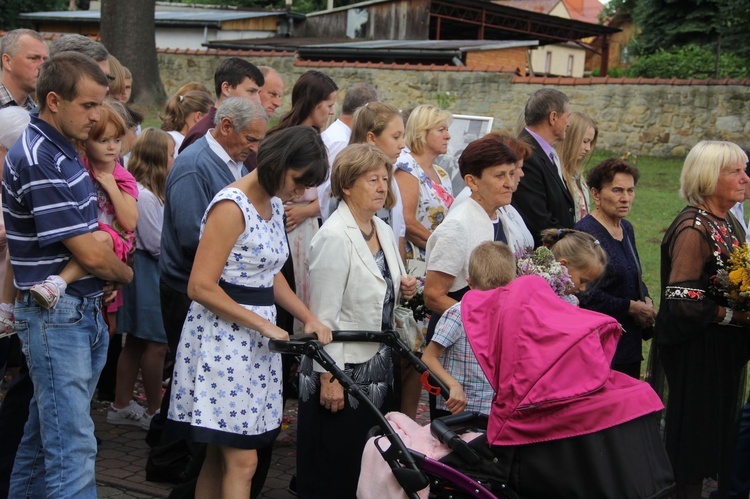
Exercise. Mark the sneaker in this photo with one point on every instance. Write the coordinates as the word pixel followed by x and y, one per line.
pixel 146 419
pixel 46 294
pixel 130 415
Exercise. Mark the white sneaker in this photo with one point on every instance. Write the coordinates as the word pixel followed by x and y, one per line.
pixel 130 415
pixel 146 419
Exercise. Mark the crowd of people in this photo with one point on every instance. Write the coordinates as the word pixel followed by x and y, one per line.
pixel 205 239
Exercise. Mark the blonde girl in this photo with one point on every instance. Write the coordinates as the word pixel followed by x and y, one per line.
pixel 579 252
pixel 140 316
pixel 579 143
pixel 182 111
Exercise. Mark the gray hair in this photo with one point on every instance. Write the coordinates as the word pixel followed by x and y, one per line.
pixel 13 121
pixel 9 45
pixel 357 96
pixel 241 112
pixel 542 103
pixel 80 44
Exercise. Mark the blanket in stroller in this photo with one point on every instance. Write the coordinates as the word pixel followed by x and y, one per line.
pixel 549 364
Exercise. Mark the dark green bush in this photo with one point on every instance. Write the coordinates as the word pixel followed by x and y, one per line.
pixel 690 61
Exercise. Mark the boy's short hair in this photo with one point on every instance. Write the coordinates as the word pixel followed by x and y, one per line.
pixel 491 265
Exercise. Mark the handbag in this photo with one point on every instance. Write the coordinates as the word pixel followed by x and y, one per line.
pixel 647 332
pixel 404 323
pixel 414 266
pixel 407 328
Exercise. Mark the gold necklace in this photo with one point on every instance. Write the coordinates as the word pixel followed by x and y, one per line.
pixel 372 232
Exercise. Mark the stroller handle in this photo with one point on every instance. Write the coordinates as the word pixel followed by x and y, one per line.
pixel 298 345
pixel 441 429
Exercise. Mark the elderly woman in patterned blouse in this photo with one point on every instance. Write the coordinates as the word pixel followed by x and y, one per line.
pixel 702 343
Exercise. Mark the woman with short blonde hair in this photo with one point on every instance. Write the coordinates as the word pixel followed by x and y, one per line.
pixel 356 280
pixel 426 189
pixel 700 341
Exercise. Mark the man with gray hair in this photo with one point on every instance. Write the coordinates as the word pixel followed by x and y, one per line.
pixel 336 137
pixel 83 45
pixel 208 165
pixel 543 198
pixel 22 51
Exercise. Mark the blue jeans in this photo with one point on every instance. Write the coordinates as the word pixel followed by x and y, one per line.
pixel 65 349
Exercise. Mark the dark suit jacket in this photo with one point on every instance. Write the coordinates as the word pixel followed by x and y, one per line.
pixel 542 198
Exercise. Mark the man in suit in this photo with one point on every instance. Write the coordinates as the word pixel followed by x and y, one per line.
pixel 542 198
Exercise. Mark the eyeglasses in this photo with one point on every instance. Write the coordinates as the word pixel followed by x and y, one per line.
pixel 110 78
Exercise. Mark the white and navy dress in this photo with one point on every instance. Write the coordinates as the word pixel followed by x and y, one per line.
pixel 226 387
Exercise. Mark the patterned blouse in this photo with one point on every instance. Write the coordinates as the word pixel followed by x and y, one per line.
pixel 434 199
pixel 695 246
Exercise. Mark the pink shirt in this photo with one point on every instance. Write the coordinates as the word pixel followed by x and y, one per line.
pixel 127 184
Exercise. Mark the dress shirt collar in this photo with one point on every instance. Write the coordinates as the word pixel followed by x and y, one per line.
pixel 234 167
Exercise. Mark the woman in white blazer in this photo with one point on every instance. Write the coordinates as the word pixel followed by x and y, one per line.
pixel 356 279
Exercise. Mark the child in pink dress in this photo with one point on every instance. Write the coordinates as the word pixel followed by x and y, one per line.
pixel 116 193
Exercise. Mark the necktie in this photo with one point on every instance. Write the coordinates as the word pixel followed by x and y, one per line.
pixel 556 160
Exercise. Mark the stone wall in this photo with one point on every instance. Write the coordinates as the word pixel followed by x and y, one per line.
pixel 648 117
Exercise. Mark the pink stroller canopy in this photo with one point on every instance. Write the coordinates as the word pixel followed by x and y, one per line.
pixel 549 363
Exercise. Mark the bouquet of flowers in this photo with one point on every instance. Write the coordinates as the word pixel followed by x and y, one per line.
pixel 542 262
pixel 733 281
pixel 416 303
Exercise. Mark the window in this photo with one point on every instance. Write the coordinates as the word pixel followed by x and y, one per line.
pixel 548 63
pixel 570 66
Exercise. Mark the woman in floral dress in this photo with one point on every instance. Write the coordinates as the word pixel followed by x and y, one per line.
pixel 426 190
pixel 227 384
pixel 701 343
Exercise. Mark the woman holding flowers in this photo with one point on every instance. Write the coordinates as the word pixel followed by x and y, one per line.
pixel 702 342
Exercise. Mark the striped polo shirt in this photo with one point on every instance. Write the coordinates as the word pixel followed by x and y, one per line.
pixel 47 197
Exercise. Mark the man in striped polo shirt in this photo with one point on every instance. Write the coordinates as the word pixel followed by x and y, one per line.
pixel 50 210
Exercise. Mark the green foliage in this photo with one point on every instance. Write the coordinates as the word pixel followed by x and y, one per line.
pixel 11 8
pixel 615 9
pixel 445 99
pixel 690 61
pixel 664 24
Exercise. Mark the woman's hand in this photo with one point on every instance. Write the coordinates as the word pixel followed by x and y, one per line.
pixel 643 313
pixel 274 332
pixel 323 332
pixel 331 393
pixel 408 286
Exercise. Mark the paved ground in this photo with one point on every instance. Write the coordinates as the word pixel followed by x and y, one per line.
pixel 120 467
pixel 120 464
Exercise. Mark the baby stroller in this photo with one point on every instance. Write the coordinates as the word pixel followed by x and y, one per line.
pixel 562 423
pixel 412 470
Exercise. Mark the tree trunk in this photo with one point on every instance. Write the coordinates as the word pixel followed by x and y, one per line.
pixel 128 32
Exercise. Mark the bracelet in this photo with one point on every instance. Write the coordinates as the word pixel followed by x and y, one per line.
pixel 728 313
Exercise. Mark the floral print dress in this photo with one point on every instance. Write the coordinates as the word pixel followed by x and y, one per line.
pixel 227 384
pixel 434 199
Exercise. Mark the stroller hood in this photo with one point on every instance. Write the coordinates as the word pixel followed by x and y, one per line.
pixel 549 364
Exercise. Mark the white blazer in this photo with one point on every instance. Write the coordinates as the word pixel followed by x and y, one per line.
pixel 346 287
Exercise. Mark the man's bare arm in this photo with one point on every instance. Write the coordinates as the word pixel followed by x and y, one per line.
pixel 98 259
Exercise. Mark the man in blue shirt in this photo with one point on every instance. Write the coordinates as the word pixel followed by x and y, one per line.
pixel 50 210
